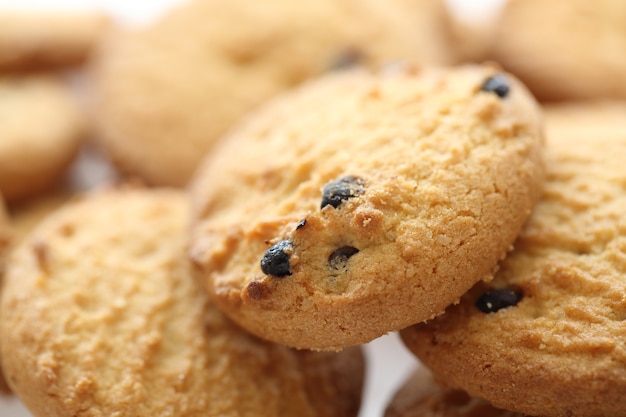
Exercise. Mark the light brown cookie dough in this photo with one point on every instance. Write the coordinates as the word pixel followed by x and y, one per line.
pixel 363 203
pixel 41 130
pixel 564 49
pixel 100 316
pixel 45 40
pixel 546 337
pixel 420 396
pixel 163 101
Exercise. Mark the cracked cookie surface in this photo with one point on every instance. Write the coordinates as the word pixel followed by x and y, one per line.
pixel 557 348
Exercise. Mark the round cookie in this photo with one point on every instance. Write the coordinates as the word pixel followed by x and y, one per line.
pixel 364 202
pixel 161 102
pixel 100 312
pixel 546 336
pixel 41 130
pixel 420 396
pixel 38 40
pixel 573 50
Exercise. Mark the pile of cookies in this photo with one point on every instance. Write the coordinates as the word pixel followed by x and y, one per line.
pixel 295 181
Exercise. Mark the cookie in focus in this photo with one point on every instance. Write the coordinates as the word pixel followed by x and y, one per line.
pixel 545 337
pixel 365 202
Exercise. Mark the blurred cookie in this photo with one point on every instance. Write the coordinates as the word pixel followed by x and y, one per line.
pixel 420 396
pixel 564 49
pixel 39 40
pixel 100 312
pixel 6 233
pixel 5 241
pixel 41 130
pixel 366 202
pixel 163 101
pixel 25 216
pixel 546 337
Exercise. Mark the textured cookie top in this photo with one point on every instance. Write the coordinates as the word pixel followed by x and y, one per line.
pixel 420 396
pixel 41 129
pixel 163 101
pixel 564 49
pixel 100 316
pixel 546 337
pixel 363 203
pixel 37 40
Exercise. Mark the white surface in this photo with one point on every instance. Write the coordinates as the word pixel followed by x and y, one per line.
pixel 389 362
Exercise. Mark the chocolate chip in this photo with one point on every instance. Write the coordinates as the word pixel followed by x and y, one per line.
pixel 341 189
pixel 275 261
pixel 301 224
pixel 497 84
pixel 346 58
pixel 337 260
pixel 495 300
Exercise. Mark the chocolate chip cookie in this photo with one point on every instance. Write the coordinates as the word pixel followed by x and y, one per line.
pixel 364 202
pixel 100 315
pixel 546 336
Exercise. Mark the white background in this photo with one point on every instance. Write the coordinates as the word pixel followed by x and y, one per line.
pixel 388 360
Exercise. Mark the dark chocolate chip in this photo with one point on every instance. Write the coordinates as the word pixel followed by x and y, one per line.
pixel 275 261
pixel 341 189
pixel 346 58
pixel 342 254
pixel 301 224
pixel 338 260
pixel 495 300
pixel 497 84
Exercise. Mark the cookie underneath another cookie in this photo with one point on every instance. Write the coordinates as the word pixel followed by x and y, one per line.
pixel 365 202
pixel 163 101
pixel 546 336
pixel 100 315
pixel 419 396
pixel 38 40
pixel 564 49
pixel 42 128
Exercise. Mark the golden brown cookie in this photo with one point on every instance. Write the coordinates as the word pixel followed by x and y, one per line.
pixel 100 315
pixel 564 49
pixel 41 130
pixel 39 40
pixel 420 396
pixel 163 101
pixel 366 202
pixel 546 336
